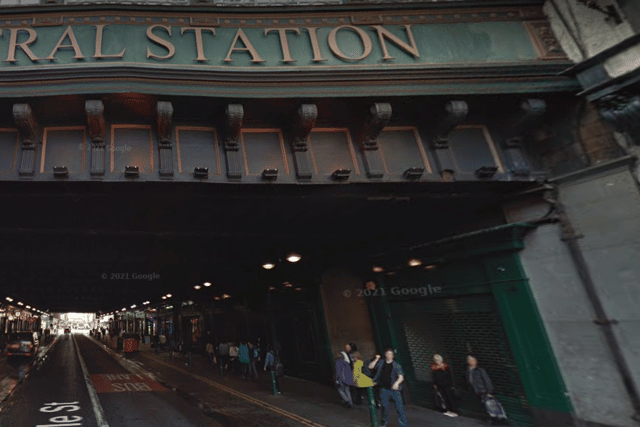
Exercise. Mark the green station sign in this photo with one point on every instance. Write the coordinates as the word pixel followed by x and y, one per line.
pixel 281 48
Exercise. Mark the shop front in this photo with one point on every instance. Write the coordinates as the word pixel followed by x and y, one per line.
pixel 468 296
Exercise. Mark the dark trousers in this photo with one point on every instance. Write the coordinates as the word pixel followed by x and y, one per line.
pixel 449 398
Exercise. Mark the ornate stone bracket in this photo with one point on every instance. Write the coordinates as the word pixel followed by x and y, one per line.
pixel 379 116
pixel 233 126
pixel 455 112
pixel 28 129
pixel 530 111
pixel 306 118
pixel 165 111
pixel 96 125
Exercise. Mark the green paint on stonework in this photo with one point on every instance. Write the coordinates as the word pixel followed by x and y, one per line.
pixel 486 262
pixel 292 90
pixel 436 44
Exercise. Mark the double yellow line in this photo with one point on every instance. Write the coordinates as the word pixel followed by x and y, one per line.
pixel 257 402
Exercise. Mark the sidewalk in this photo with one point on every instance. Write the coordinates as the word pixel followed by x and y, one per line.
pixel 315 402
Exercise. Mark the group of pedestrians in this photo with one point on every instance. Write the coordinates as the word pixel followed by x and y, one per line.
pixel 243 358
pixel 386 375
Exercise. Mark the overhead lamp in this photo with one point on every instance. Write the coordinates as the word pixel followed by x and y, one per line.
pixel 197 287
pixel 9 299
pixel 145 303
pixel 133 306
pixel 28 306
pixel 225 296
pixel 377 269
pixel 298 289
pixel 207 284
pixel 287 285
pixel 124 309
pixel 293 257
pixel 414 262
pixel 272 288
pixel 169 295
pixel 20 303
pixel 164 297
pixel 268 266
pixel 216 298
pixel 430 267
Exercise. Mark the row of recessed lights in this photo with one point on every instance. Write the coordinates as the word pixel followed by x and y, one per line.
pixel 21 304
pixel 292 257
pixel 206 285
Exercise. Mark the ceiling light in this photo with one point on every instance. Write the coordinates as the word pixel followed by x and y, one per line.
pixel 133 306
pixel 20 303
pixel 272 288
pixel 225 296
pixel 430 267
pixel 164 297
pixel 207 284
pixel 268 266
pixel 124 309
pixel 287 285
pixel 298 289
pixel 9 299
pixel 169 295
pixel 216 298
pixel 293 257
pixel 377 269
pixel 414 262
pixel 28 306
pixel 197 287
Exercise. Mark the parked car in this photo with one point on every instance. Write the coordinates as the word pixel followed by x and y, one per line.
pixel 22 344
pixel 67 330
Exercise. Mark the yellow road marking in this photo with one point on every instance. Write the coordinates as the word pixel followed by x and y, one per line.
pixel 258 402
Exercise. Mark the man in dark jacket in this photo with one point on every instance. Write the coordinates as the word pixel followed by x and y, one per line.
pixel 389 377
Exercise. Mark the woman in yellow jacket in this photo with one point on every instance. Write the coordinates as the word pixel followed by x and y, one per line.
pixel 360 380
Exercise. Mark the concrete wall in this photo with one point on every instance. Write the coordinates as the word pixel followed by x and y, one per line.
pixel 588 28
pixel 347 314
pixel 605 208
pixel 594 385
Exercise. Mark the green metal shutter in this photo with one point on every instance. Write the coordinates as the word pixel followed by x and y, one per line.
pixel 454 328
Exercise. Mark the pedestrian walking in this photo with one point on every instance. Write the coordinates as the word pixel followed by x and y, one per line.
pixel 356 392
pixel 243 358
pixel 223 353
pixel 270 363
pixel 481 385
pixel 233 356
pixel 443 386
pixel 390 376
pixel 210 352
pixel 254 357
pixel 344 378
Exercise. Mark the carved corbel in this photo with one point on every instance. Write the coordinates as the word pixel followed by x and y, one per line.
pixel 96 125
pixel 165 111
pixel 530 111
pixel 379 116
pixel 233 126
pixel 28 130
pixel 307 115
pixel 454 113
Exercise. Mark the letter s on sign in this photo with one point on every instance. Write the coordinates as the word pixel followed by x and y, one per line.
pixel 73 408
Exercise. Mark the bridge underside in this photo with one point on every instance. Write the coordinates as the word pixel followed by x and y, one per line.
pixel 84 246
